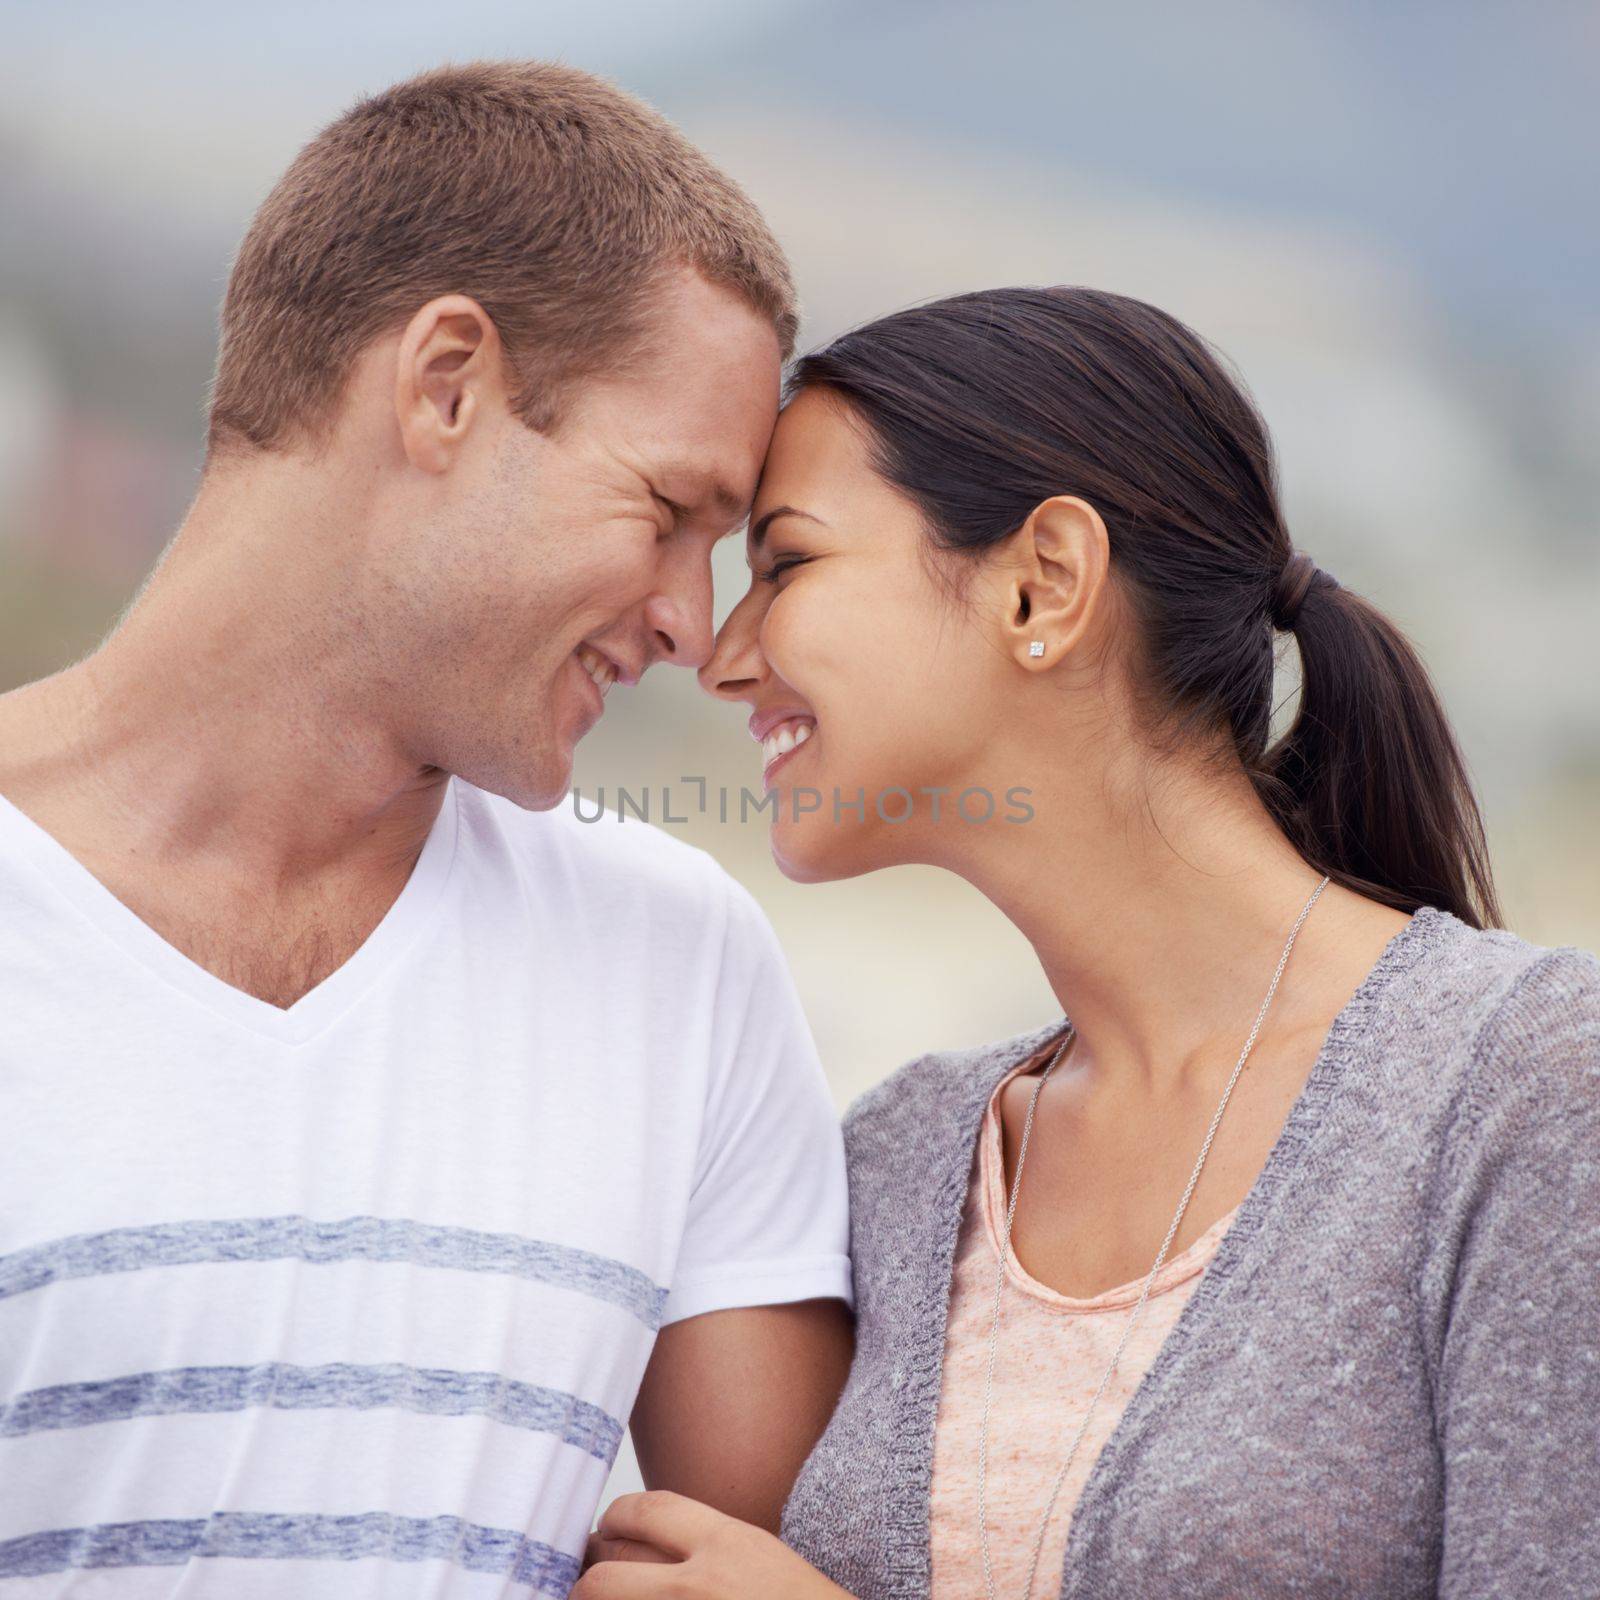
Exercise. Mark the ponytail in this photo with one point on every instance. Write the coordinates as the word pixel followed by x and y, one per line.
pixel 1369 783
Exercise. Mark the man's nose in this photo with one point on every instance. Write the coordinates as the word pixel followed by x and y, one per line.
pixel 678 617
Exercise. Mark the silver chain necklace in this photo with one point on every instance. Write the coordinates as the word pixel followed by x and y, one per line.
pixel 1005 1251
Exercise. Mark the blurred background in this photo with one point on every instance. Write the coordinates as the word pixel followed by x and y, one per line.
pixel 1384 213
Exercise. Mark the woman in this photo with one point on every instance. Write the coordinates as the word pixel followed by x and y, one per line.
pixel 1297 1296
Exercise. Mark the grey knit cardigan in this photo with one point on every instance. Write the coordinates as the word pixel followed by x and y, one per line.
pixel 1387 1381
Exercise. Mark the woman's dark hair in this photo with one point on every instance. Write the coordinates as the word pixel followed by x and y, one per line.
pixel 980 406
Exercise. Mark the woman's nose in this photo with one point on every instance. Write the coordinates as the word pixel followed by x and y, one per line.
pixel 735 668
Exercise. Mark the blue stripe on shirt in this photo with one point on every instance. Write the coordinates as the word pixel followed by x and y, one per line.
pixel 424 1244
pixel 248 1535
pixel 338 1385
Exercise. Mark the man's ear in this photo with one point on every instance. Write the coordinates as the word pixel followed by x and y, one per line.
pixel 449 366
pixel 1052 583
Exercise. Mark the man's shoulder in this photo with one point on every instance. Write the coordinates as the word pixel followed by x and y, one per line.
pixel 610 856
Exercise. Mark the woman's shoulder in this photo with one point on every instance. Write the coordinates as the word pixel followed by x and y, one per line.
pixel 1496 994
pixel 1537 1051
pixel 1514 1209
pixel 1493 1041
pixel 936 1095
pixel 908 1149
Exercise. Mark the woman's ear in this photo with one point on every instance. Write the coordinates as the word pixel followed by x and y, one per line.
pixel 1054 574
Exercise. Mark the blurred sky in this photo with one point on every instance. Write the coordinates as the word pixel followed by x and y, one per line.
pixel 1384 213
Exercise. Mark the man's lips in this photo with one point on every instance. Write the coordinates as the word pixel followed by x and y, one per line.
pixel 621 671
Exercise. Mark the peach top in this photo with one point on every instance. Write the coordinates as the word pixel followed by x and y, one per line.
pixel 1051 1352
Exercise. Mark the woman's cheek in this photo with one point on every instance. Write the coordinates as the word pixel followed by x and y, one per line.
pixel 785 639
pixel 820 636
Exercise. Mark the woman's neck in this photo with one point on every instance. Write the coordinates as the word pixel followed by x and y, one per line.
pixel 1159 913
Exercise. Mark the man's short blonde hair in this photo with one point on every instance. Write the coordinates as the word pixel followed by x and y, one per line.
pixel 550 196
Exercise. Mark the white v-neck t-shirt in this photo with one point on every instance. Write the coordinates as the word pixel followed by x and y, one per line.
pixel 353 1299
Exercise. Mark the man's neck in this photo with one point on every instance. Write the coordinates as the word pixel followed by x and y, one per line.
pixel 227 774
pixel 226 727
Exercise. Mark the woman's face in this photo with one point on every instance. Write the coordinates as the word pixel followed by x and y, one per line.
pixel 848 643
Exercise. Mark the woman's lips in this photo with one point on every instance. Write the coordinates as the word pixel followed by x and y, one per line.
pixel 766 718
pixel 781 740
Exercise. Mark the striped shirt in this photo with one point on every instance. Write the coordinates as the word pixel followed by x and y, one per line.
pixel 354 1298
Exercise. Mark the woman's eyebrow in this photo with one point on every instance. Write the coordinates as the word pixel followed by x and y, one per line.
pixel 758 529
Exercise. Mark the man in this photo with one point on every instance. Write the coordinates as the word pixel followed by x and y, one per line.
pixel 375 1131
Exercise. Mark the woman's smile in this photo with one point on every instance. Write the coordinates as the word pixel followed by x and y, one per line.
pixel 781 732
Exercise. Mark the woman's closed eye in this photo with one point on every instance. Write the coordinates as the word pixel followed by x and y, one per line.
pixel 779 567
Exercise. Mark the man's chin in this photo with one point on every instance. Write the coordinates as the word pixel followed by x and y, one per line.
pixel 541 785
pixel 540 800
pixel 546 795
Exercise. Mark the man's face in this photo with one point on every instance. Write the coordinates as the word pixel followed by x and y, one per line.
pixel 587 550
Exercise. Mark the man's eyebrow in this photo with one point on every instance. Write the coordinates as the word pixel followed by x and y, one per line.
pixel 758 529
pixel 726 501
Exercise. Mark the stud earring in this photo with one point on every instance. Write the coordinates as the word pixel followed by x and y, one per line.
pixel 1036 647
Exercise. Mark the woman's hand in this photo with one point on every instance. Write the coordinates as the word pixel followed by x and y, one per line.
pixel 663 1546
